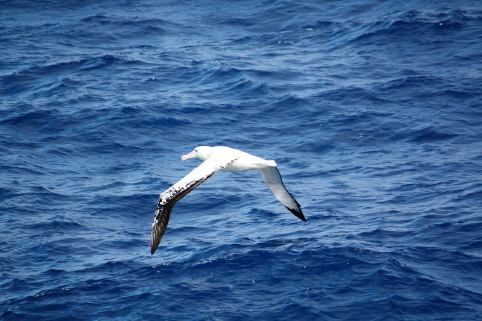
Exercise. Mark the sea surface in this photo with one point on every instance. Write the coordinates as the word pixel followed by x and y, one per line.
pixel 371 109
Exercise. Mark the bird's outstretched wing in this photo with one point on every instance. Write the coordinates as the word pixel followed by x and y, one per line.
pixel 177 191
pixel 272 178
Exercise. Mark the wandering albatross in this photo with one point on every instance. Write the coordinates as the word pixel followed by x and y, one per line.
pixel 218 158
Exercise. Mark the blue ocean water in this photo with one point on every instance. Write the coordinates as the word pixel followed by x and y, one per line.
pixel 372 110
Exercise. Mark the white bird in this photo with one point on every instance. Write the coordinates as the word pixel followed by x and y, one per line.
pixel 218 158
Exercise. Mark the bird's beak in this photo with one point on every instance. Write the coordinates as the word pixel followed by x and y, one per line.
pixel 190 155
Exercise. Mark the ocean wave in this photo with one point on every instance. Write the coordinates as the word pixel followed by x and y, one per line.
pixel 370 109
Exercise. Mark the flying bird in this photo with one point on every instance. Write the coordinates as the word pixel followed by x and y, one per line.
pixel 218 158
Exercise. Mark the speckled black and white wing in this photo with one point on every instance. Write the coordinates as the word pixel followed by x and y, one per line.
pixel 177 191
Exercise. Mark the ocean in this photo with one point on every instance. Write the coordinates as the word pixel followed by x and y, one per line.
pixel 371 109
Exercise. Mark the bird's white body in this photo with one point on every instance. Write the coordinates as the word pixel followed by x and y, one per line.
pixel 244 161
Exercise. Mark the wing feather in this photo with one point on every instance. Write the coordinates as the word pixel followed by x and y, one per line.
pixel 272 178
pixel 177 191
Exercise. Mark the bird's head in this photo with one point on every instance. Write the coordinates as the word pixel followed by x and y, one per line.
pixel 201 152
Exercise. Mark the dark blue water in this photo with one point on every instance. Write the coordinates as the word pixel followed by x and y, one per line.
pixel 372 110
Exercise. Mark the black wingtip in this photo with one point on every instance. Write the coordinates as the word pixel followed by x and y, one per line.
pixel 297 213
pixel 153 248
pixel 159 225
pixel 155 240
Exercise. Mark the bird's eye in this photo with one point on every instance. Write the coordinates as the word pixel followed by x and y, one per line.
pixel 195 150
